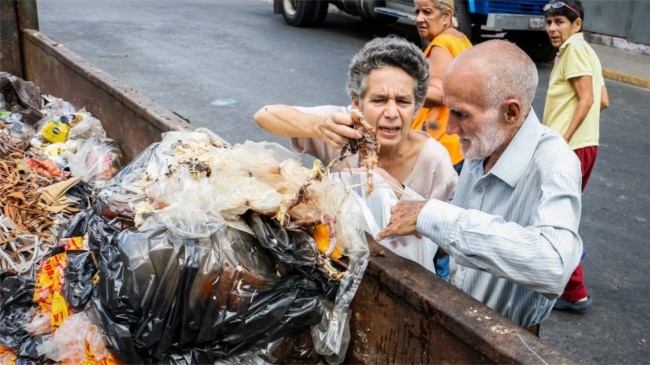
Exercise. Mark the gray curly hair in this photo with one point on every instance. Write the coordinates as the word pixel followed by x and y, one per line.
pixel 388 51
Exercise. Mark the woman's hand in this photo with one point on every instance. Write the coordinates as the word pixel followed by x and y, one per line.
pixel 336 130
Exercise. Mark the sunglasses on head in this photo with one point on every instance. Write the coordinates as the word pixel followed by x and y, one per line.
pixel 559 4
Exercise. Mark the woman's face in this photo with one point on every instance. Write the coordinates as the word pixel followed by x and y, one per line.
pixel 559 28
pixel 430 21
pixel 388 104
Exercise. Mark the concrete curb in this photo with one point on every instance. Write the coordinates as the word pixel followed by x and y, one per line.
pixel 626 78
pixel 617 43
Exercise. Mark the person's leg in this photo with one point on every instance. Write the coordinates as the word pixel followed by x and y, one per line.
pixel 441 263
pixel 587 157
pixel 441 260
pixel 575 289
pixel 576 296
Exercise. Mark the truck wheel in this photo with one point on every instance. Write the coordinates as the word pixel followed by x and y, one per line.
pixel 461 12
pixel 536 44
pixel 368 15
pixel 304 13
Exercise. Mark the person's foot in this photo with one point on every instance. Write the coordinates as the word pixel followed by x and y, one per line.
pixel 578 306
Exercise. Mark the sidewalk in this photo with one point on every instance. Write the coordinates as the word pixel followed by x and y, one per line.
pixel 629 64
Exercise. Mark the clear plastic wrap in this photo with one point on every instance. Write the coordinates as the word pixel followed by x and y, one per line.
pixel 77 341
pixel 96 160
pixel 87 127
pixel 375 209
pixel 19 133
pixel 198 265
pixel 56 106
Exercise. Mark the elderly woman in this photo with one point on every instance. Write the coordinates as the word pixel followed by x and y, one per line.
pixel 387 83
pixel 436 23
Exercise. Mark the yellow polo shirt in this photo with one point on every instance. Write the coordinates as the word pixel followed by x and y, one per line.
pixel 575 58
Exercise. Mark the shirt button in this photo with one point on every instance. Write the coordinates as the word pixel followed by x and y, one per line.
pixel 479 190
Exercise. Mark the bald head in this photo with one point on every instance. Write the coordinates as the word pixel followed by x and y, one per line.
pixel 502 71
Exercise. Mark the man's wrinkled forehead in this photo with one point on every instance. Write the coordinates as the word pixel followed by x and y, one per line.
pixel 464 84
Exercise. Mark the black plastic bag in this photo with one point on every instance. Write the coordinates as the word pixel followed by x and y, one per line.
pixel 22 97
pixel 293 249
pixel 200 298
pixel 78 286
pixel 118 332
pixel 83 194
pixel 16 309
pixel 78 225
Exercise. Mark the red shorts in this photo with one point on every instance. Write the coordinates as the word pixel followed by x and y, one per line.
pixel 575 289
pixel 587 157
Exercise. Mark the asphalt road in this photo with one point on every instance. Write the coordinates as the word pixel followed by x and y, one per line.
pixel 217 61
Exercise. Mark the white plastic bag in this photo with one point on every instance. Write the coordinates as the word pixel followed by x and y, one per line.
pixel 376 210
pixel 95 160
pixel 75 341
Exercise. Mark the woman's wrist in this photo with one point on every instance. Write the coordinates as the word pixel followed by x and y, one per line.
pixel 318 128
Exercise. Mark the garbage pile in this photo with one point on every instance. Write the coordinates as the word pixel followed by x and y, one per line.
pixel 52 158
pixel 45 174
pixel 195 252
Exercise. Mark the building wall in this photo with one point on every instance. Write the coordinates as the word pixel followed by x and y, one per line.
pixel 619 18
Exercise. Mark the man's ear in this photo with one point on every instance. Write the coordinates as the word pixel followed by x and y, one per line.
pixel 512 111
pixel 355 102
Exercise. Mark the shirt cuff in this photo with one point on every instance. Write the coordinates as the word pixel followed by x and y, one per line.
pixel 437 221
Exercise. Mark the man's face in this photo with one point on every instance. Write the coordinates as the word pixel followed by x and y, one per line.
pixel 479 127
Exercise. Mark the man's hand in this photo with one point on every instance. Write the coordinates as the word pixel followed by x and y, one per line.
pixel 403 219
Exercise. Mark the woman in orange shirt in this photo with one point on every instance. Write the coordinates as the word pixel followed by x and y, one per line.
pixel 435 23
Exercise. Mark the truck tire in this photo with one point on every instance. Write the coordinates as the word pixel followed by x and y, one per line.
pixel 368 15
pixel 536 45
pixel 304 13
pixel 461 12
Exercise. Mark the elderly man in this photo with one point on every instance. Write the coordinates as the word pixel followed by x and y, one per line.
pixel 512 225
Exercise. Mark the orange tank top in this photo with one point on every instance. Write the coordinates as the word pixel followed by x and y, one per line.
pixel 434 120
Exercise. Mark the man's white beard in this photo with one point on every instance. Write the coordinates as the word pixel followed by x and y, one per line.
pixel 489 138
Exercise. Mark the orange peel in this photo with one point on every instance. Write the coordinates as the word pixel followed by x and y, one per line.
pixel 322 238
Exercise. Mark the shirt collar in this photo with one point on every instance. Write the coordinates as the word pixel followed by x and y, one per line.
pixel 512 163
pixel 574 38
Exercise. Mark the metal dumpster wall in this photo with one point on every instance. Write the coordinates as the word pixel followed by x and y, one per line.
pixel 131 119
pixel 402 313
pixel 14 16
